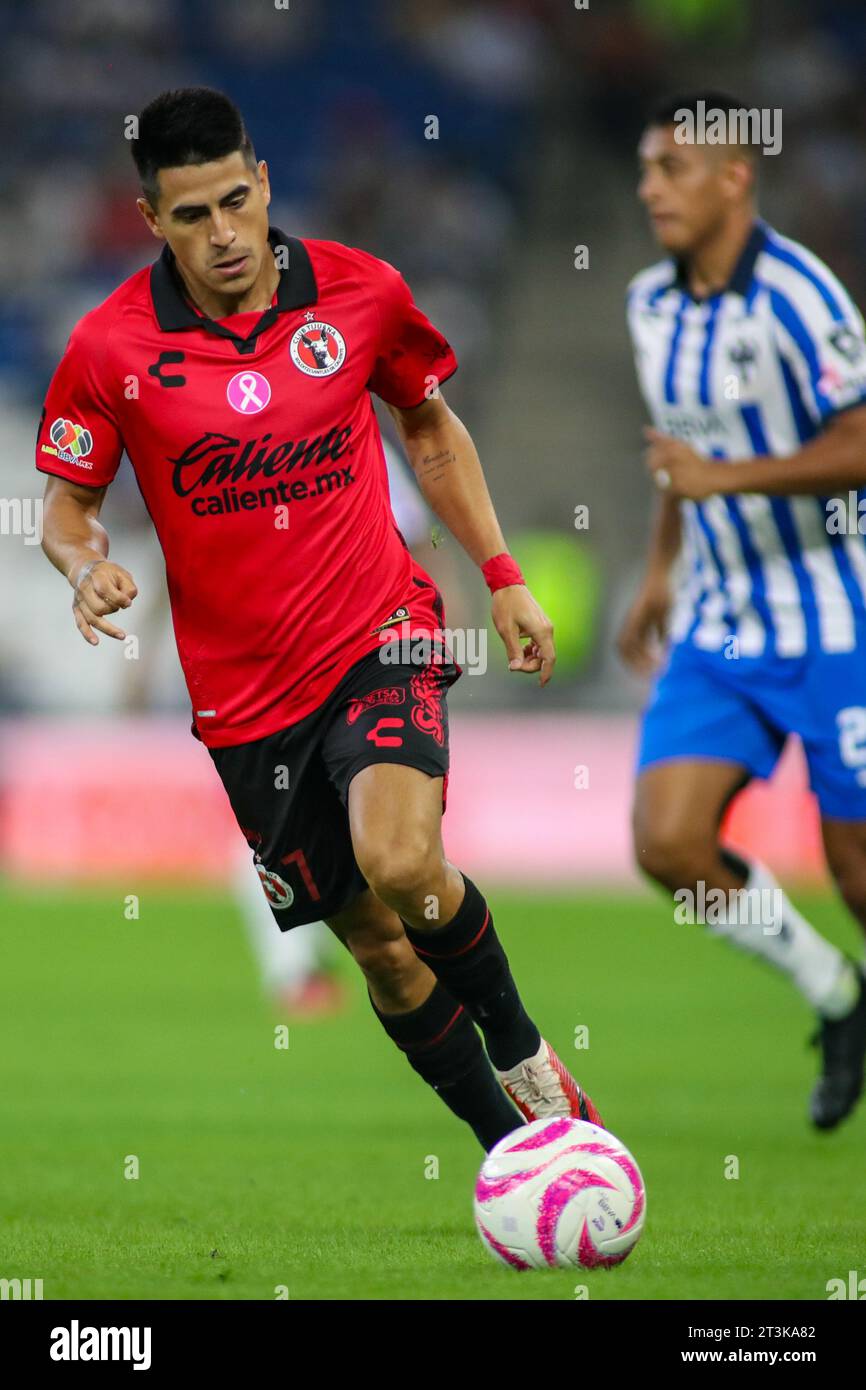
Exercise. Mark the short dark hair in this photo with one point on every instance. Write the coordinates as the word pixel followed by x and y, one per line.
pixel 669 112
pixel 190 125
pixel 666 112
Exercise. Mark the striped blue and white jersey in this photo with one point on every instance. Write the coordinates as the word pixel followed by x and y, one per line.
pixel 756 369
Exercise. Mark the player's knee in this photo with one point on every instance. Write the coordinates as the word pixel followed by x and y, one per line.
pixel 400 874
pixel 675 855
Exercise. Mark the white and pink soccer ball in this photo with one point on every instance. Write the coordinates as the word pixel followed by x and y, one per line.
pixel 559 1193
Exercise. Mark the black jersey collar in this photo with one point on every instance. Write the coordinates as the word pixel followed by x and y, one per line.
pixel 741 276
pixel 297 287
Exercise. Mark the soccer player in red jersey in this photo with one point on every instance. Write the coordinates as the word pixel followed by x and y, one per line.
pixel 236 372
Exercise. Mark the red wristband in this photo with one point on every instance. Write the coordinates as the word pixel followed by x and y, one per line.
pixel 501 571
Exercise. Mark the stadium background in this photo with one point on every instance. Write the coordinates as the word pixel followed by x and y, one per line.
pixel 539 107
pixel 103 794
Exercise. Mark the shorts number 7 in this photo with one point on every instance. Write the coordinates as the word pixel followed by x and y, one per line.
pixel 298 857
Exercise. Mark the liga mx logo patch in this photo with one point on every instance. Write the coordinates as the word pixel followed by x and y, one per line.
pixel 318 349
pixel 73 442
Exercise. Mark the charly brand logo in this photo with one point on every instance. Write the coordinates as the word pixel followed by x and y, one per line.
pixel 248 392
pixel 168 359
pixel 318 349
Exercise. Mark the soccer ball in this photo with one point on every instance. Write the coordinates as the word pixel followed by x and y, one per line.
pixel 559 1193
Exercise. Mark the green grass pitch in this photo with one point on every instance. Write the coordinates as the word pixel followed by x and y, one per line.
pixel 305 1167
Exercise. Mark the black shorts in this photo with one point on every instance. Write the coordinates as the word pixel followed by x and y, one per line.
pixel 289 791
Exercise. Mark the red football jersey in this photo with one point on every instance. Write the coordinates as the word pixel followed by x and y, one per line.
pixel 258 454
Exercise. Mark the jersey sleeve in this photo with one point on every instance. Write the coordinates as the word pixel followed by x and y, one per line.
pixel 820 339
pixel 413 357
pixel 78 436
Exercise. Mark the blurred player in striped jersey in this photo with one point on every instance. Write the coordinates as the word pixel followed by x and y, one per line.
pixel 752 361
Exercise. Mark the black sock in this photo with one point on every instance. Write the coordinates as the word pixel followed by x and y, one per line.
pixel 467 956
pixel 735 862
pixel 443 1047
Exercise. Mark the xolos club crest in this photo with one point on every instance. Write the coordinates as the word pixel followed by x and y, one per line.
pixel 318 349
pixel 278 893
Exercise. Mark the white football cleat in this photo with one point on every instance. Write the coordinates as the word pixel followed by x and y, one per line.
pixel 542 1089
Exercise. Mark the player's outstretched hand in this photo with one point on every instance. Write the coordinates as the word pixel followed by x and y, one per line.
pixel 676 468
pixel 100 588
pixel 516 615
pixel 642 635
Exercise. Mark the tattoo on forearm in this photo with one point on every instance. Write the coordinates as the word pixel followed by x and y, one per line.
pixel 432 466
